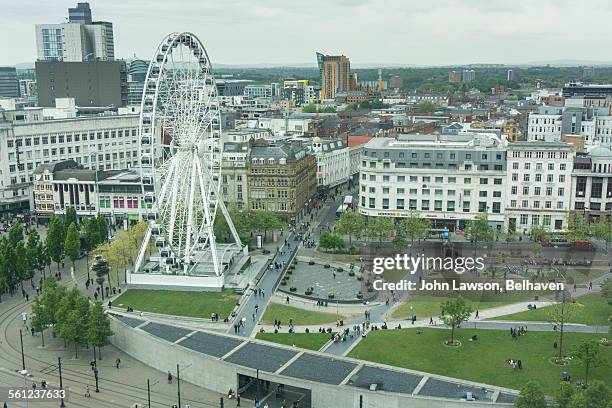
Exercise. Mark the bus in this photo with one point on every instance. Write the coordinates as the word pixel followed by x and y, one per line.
pixel 343 208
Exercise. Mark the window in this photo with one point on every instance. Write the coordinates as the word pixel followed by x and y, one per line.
pixel 549 191
pixel 513 190
pixel 527 166
pixel 385 178
pixel 400 191
pixel 450 206
pixel 546 220
pixel 414 179
pixel 551 166
pixel 561 192
pixel 515 166
pixel 467 180
pixel 399 204
pixel 514 176
pixel 466 206
pixel 525 177
pixel 452 180
pixel 401 178
pixel 497 181
pixel 538 177
pixel 425 205
pixel 484 180
pixel 425 191
pixel 482 193
pixel 372 203
pixel 439 179
pixel 496 207
pixel 524 219
pixel 497 194
pixel 482 206
pixel 536 191
pixel 525 190
pixel 412 204
pixel 385 203
pixel 536 204
pixel 438 205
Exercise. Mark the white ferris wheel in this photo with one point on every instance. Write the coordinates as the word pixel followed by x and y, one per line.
pixel 180 158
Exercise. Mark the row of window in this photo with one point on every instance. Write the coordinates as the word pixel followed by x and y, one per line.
pixel 539 166
pixel 29 141
pixel 538 191
pixel 427 191
pixel 428 155
pixel 536 204
pixel 438 205
pixel 539 155
pixel 427 179
pixel 550 178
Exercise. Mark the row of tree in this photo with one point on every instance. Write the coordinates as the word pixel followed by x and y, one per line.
pixel 21 258
pixel 247 222
pixel 71 316
pixel 596 395
pixel 355 225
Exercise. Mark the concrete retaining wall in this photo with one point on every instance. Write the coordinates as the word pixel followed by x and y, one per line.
pixel 219 376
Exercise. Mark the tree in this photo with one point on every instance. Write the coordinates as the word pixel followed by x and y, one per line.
pixel 50 299
pixel 540 233
pixel 40 318
pixel 558 314
pixel 531 396
pixel 101 270
pixel 454 312
pixel 72 244
pixel 15 234
pixel 479 230
pixel 351 224
pixel 55 240
pixel 70 217
pixel 330 241
pixel 598 395
pixel 589 353
pixel 8 265
pixel 90 230
pixel 22 267
pixel 577 227
pixel 379 227
pixel 102 224
pixel 32 249
pixel 71 318
pixel 44 260
pixel 426 107
pixel 606 290
pixel 98 330
pixel 602 229
pixel 564 395
pixel 413 227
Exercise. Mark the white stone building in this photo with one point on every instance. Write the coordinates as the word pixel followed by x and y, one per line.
pixel 592 183
pixel 333 164
pixel 28 139
pixel 448 179
pixel 539 185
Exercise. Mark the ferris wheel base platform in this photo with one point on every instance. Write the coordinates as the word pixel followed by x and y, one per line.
pixel 155 275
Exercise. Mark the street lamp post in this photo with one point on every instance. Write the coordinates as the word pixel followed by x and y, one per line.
pixel 59 366
pixel 22 355
pixel 96 376
pixel 148 393
pixel 178 384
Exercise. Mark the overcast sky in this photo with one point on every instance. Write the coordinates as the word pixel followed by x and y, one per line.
pixel 433 32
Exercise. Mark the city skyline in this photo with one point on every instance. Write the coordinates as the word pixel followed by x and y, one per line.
pixel 465 32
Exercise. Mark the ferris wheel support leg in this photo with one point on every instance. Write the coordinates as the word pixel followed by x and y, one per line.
pixel 232 228
pixel 173 208
pixel 191 204
pixel 209 221
pixel 143 250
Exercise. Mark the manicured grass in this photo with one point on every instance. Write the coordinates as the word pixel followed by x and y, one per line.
pixel 310 341
pixel 426 303
pixel 179 303
pixel 483 360
pixel 425 308
pixel 301 317
pixel 590 309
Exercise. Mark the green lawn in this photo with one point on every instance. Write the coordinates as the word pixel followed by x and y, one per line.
pixel 310 341
pixel 425 308
pixel 301 317
pixel 179 303
pixel 591 310
pixel 483 360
